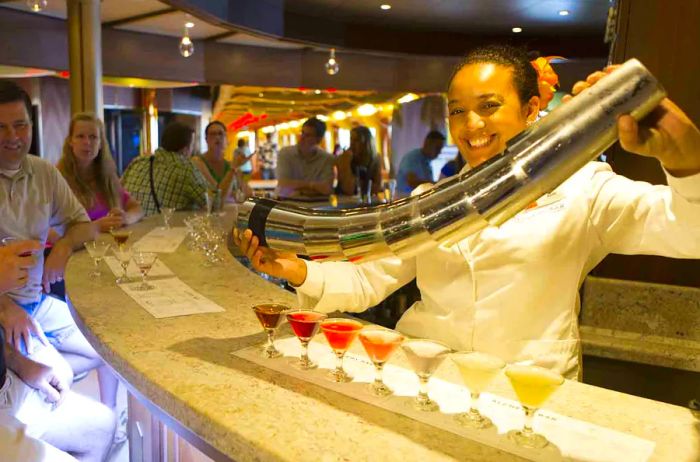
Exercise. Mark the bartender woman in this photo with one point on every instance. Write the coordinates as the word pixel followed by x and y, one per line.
pixel 512 290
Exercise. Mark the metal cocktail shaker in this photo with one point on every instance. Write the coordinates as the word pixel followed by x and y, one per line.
pixel 534 163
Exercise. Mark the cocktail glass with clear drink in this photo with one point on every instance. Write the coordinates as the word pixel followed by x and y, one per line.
pixel 305 325
pixel 167 214
pixel 340 333
pixel 533 385
pixel 144 262
pixel 123 254
pixel 425 356
pixel 477 370
pixel 380 344
pixel 97 250
pixel 270 316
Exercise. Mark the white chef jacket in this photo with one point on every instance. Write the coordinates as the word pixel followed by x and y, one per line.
pixel 512 290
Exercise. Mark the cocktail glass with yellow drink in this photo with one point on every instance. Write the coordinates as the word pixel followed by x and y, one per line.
pixel 477 371
pixel 533 385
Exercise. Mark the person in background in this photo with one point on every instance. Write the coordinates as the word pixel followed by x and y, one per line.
pixel 306 170
pixel 267 153
pixel 513 290
pixel 214 168
pixel 414 168
pixel 87 165
pixel 241 158
pixel 453 167
pixel 360 164
pixel 34 197
pixel 168 178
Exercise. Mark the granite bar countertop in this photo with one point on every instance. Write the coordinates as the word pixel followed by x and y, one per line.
pixel 642 322
pixel 184 367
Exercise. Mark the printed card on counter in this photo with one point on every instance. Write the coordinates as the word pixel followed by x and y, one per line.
pixel 571 439
pixel 161 240
pixel 170 297
pixel 132 271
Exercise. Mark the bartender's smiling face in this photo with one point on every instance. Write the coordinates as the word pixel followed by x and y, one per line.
pixel 485 110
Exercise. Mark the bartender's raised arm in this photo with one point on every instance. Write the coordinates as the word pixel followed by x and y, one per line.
pixel 330 286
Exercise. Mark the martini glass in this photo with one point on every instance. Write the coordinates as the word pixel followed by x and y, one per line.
pixel 340 334
pixel 167 214
pixel 120 236
pixel 305 325
pixel 425 356
pixel 380 344
pixel 145 261
pixel 477 370
pixel 533 385
pixel 123 254
pixel 270 317
pixel 97 250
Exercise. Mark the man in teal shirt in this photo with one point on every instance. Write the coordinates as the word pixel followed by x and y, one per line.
pixel 414 168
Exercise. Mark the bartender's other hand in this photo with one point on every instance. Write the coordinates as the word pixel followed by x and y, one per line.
pixel 284 265
pixel 667 133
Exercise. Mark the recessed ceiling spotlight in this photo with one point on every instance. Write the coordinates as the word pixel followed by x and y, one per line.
pixel 318 92
pixel 517 30
pixel 385 6
pixel 563 12
pixel 189 24
pixel 261 95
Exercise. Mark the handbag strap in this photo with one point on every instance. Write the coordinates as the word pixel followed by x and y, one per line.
pixel 153 188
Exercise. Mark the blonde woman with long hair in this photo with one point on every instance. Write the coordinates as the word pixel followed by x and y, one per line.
pixel 359 164
pixel 87 165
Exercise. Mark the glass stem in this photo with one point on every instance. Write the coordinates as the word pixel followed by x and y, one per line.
pixel 270 339
pixel 378 376
pixel 304 352
pixel 124 266
pixel 423 388
pixel 473 409
pixel 339 361
pixel 529 417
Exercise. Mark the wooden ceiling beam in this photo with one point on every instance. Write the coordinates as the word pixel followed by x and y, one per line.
pixel 139 17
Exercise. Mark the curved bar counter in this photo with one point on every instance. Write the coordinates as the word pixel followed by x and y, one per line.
pixel 182 369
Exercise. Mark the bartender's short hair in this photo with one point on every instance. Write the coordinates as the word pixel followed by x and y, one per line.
pixel 516 58
pixel 10 92
pixel 214 122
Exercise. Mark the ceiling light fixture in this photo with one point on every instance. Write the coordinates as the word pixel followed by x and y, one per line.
pixel 332 66
pixel 563 12
pixel 189 24
pixel 318 92
pixel 385 6
pixel 37 5
pixel 366 110
pixel 261 95
pixel 186 45
pixel 517 30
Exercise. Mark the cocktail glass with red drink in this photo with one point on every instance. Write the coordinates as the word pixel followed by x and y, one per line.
pixel 270 316
pixel 380 344
pixel 340 334
pixel 305 325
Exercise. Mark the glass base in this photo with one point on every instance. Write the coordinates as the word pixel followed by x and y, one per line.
pixel 380 389
pixel 473 420
pixel 270 352
pixel 303 364
pixel 425 405
pixel 123 280
pixel 339 376
pixel 144 286
pixel 528 440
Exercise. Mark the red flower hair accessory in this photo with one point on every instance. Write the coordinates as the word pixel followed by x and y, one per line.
pixel 547 79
